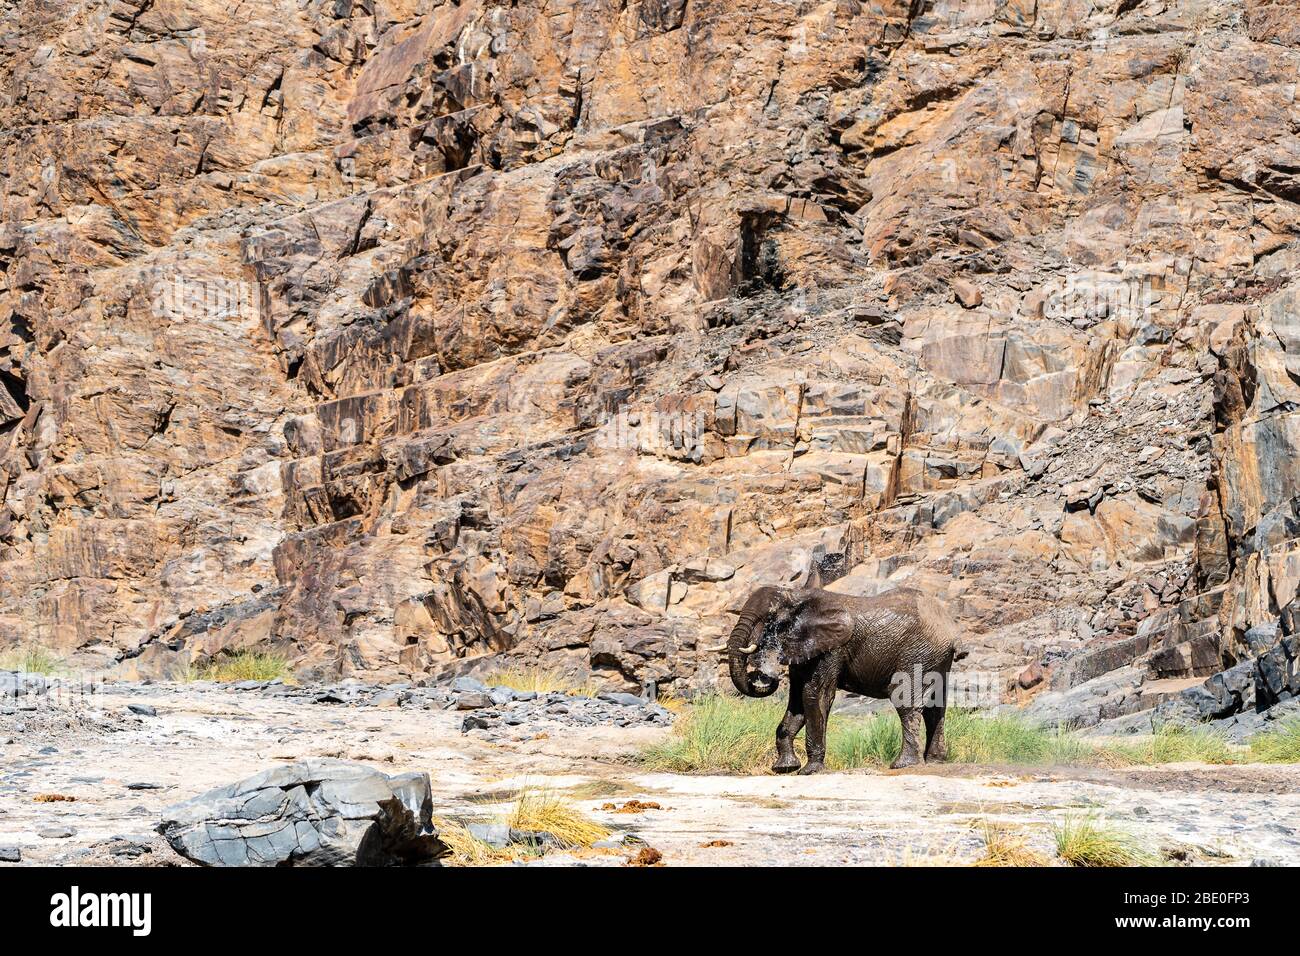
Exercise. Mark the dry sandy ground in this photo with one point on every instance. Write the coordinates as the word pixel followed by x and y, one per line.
pixel 204 738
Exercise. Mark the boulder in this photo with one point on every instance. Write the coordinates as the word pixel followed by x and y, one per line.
pixel 315 812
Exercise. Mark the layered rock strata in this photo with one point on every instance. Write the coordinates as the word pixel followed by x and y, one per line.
pixel 395 333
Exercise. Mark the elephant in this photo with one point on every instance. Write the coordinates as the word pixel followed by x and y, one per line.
pixel 898 645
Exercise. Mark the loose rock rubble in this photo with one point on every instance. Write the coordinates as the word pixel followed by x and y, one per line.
pixel 39 706
pixel 30 712
pixel 489 709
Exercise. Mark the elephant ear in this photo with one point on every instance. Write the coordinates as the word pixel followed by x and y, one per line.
pixel 819 629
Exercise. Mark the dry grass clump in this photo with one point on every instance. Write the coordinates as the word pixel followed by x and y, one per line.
pixel 1086 841
pixel 672 703
pixel 534 811
pixel 467 849
pixel 32 658
pixel 1005 846
pixel 541 680
pixel 544 811
pixel 241 666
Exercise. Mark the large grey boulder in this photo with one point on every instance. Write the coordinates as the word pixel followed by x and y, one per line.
pixel 1111 695
pixel 315 812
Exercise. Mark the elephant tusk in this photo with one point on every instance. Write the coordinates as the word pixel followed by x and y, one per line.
pixel 750 649
pixel 712 650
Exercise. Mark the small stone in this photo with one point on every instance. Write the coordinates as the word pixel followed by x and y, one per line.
pixel 626 700
pixel 1031 676
pixel 56 833
pixel 871 314
pixel 495 835
pixel 967 293
pixel 468 685
pixel 473 701
pixel 11 854
pixel 144 710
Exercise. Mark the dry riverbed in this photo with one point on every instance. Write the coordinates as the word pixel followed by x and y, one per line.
pixel 120 768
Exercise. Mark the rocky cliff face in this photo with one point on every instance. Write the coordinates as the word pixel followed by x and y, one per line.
pixel 395 332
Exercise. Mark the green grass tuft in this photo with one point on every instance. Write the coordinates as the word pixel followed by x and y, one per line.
pixel 1175 743
pixel 860 741
pixel 1011 739
pixel 1278 746
pixel 32 658
pixel 720 734
pixel 734 735
pixel 1086 841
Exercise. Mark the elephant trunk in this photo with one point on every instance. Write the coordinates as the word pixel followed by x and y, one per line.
pixel 743 638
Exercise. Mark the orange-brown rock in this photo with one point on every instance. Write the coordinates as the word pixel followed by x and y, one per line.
pixel 400 332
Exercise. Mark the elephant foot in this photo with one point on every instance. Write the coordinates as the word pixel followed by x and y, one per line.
pixel 812 766
pixel 905 760
pixel 786 764
pixel 937 755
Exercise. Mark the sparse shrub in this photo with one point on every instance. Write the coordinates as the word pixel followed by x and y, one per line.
pixel 1086 841
pixel 32 658
pixel 1278 746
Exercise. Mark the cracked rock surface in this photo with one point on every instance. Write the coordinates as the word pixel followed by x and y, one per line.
pixel 317 812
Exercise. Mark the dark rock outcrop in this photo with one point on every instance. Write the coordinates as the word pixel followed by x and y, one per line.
pixel 317 812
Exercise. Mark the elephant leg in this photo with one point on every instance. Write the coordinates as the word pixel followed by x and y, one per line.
pixel 936 748
pixel 911 753
pixel 789 728
pixel 818 696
